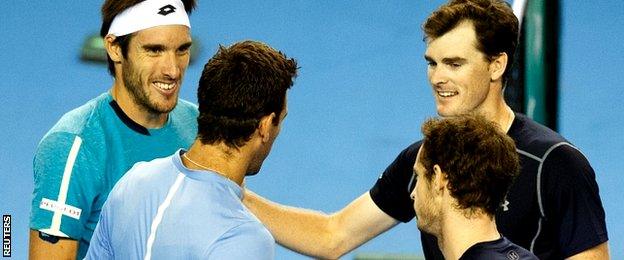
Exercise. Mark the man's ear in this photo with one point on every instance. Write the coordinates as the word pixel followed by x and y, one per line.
pixel 265 126
pixel 497 66
pixel 440 179
pixel 112 48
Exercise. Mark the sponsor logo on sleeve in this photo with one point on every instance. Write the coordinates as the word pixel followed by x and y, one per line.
pixel 54 206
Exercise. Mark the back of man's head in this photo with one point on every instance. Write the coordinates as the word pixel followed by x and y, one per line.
pixel 494 22
pixel 479 160
pixel 239 85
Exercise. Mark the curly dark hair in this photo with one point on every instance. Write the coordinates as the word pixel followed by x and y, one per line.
pixel 479 160
pixel 239 85
pixel 112 8
pixel 494 22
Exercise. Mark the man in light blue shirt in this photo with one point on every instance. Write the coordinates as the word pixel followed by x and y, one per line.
pixel 188 205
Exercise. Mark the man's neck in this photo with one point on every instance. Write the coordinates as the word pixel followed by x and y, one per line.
pixel 505 118
pixel 460 233
pixel 500 113
pixel 134 111
pixel 219 158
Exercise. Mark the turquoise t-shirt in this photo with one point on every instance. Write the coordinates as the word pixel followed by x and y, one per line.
pixel 163 210
pixel 89 149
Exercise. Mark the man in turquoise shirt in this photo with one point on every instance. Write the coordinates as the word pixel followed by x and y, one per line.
pixel 141 118
pixel 188 205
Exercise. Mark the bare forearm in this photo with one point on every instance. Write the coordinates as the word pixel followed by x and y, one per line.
pixel 40 249
pixel 305 231
pixel 318 234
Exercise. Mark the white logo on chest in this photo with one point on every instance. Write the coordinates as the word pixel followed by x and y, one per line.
pixel 505 204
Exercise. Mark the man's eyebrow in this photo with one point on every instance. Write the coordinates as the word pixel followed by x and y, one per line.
pixel 185 46
pixel 150 46
pixel 453 60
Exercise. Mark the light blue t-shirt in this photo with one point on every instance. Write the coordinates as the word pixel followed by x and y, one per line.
pixel 81 158
pixel 167 211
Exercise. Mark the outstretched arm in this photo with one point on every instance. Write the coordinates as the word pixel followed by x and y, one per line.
pixel 317 234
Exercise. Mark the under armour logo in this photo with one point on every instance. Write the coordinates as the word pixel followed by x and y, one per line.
pixel 167 9
pixel 513 255
pixel 505 204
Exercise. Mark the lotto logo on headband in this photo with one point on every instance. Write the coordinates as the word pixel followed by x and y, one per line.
pixel 167 9
pixel 148 14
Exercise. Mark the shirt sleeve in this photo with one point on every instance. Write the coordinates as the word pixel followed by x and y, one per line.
pixel 66 182
pixel 572 202
pixel 246 241
pixel 391 192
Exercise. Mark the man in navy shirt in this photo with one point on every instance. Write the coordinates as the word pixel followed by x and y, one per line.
pixel 459 189
pixel 553 208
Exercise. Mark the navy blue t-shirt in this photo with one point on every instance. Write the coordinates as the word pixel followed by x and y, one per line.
pixel 553 208
pixel 500 249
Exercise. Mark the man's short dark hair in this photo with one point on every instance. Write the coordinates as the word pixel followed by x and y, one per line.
pixel 494 22
pixel 479 160
pixel 112 8
pixel 239 85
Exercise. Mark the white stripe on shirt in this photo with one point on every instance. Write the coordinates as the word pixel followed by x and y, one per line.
pixel 55 228
pixel 160 213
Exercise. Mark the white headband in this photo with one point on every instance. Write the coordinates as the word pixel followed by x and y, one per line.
pixel 148 14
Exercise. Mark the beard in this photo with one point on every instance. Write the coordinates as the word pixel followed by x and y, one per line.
pixel 252 173
pixel 259 158
pixel 139 93
pixel 255 166
pixel 429 216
